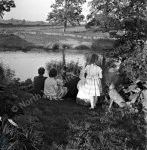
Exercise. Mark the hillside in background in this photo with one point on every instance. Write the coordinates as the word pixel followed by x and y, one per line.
pixel 25 22
pixel 22 22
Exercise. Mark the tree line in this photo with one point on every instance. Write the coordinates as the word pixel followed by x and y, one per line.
pixel 109 14
pixel 117 14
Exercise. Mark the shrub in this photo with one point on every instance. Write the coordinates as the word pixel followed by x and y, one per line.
pixel 55 46
pixel 82 47
pixel 71 67
pixel 135 67
pixel 112 33
pixel 16 138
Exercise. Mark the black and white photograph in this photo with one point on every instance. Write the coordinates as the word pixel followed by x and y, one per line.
pixel 73 74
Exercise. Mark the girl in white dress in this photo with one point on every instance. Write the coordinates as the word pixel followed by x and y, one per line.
pixel 82 98
pixel 92 86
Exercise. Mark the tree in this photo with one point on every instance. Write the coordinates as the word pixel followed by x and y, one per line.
pixel 23 21
pixel 132 15
pixel 12 20
pixel 6 5
pixel 99 10
pixel 66 12
pixel 133 18
pixel 104 12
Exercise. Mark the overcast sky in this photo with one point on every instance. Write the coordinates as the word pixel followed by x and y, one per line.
pixel 33 10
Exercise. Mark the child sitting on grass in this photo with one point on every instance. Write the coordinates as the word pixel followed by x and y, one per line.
pixel 52 90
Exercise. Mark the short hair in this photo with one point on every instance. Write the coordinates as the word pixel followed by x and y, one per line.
pixel 41 70
pixel 53 72
pixel 94 58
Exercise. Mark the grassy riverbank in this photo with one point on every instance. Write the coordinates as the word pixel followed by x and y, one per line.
pixel 26 41
pixel 76 126
pixel 97 31
pixel 26 38
pixel 13 43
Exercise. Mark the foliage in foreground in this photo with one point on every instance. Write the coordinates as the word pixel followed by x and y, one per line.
pixel 13 138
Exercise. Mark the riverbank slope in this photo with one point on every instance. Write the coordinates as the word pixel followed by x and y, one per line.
pixel 26 39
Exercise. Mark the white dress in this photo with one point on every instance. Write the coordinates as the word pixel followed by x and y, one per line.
pixel 81 96
pixel 86 84
pixel 93 85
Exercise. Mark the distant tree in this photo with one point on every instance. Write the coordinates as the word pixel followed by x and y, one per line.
pixel 6 5
pixel 66 12
pixel 12 20
pixel 92 22
pixel 23 21
pixel 42 23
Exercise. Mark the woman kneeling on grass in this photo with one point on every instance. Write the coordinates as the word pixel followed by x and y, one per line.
pixel 52 90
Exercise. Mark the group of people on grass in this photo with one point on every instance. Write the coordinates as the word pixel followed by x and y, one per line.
pixel 89 86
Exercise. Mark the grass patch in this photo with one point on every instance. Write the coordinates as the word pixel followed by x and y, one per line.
pixel 13 42
pixel 71 126
pixel 54 118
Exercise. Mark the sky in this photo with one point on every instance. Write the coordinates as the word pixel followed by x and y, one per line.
pixel 33 10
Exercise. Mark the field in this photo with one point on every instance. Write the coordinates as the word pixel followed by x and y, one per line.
pixel 58 29
pixel 22 39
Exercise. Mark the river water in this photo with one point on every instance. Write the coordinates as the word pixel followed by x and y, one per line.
pixel 26 64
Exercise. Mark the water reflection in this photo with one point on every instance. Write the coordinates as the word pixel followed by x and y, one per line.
pixel 26 65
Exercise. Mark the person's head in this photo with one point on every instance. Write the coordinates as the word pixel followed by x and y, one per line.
pixel 94 59
pixel 53 73
pixel 41 70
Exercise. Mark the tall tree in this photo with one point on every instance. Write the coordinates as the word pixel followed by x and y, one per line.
pixel 103 11
pixel 66 12
pixel 133 17
pixel 99 11
pixel 6 5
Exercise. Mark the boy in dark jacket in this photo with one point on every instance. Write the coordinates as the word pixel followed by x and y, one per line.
pixel 39 82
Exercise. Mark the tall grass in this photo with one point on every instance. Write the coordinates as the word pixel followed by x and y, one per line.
pixel 72 67
pixel 6 74
pixel 13 138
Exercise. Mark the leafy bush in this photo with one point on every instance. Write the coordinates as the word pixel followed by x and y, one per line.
pixel 82 47
pixel 55 46
pixel 135 67
pixel 71 67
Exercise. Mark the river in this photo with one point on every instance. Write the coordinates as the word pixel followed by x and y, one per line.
pixel 26 64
